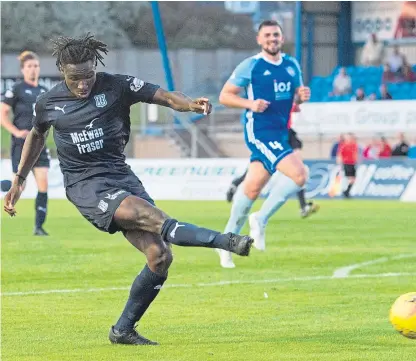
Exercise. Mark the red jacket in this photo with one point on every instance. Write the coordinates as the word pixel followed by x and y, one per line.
pixel 348 153
pixel 385 151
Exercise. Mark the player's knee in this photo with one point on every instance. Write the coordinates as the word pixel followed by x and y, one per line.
pixel 252 191
pixel 141 215
pixel 159 258
pixel 43 187
pixel 301 177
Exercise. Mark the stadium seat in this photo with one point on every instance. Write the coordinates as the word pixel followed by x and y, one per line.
pixel 412 152
pixel 370 88
pixel 368 77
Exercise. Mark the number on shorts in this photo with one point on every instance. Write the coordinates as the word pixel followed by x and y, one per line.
pixel 275 145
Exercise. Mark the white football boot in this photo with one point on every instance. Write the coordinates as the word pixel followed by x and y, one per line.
pixel 257 232
pixel 226 259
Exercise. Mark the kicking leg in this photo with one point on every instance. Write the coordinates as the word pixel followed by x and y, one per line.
pixel 135 214
pixel 145 287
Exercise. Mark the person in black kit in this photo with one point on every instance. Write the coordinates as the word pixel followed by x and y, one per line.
pixel 90 115
pixel 401 149
pixel 21 100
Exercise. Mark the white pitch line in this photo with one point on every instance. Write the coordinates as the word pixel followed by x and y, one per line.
pixel 345 271
pixel 213 284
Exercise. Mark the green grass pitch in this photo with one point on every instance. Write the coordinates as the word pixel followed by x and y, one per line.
pixel 282 304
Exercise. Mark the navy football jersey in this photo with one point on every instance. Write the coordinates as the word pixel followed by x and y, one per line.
pixel 91 134
pixel 22 98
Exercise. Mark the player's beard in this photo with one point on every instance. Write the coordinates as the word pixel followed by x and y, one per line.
pixel 273 52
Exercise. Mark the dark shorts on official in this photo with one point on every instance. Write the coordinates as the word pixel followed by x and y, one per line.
pixel 16 154
pixel 98 197
pixel 294 141
pixel 350 170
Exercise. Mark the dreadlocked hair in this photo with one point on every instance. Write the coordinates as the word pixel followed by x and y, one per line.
pixel 76 51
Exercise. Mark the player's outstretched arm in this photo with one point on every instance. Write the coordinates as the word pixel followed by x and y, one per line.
pixel 182 103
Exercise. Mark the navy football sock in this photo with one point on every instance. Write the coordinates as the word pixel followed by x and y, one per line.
pixel 41 208
pixel 347 192
pixel 143 291
pixel 189 235
pixel 239 180
pixel 301 197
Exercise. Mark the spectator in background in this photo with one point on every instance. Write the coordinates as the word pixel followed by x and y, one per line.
pixel 348 157
pixel 402 148
pixel 337 144
pixel 342 83
pixel 359 95
pixel 372 150
pixel 388 75
pixel 372 53
pixel 384 93
pixel 396 60
pixel 407 74
pixel 372 96
pixel 385 148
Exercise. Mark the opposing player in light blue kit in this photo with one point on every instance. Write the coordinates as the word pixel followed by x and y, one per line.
pixel 271 82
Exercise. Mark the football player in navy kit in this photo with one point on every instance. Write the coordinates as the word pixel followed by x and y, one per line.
pixel 90 114
pixel 21 100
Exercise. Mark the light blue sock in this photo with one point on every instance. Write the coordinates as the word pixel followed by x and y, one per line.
pixel 282 189
pixel 239 212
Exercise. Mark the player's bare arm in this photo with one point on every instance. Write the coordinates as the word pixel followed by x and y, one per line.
pixel 35 141
pixel 181 102
pixel 230 97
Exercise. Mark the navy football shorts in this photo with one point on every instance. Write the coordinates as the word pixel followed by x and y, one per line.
pixel 97 198
pixel 16 153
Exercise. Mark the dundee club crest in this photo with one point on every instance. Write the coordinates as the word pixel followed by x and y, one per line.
pixel 100 100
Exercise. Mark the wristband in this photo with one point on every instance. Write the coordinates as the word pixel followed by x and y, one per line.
pixel 21 177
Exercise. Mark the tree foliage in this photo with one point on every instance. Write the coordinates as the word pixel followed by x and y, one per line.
pixel 29 25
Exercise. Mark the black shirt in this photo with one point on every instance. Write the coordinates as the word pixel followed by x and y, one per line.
pixel 400 150
pixel 91 134
pixel 386 96
pixel 22 98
